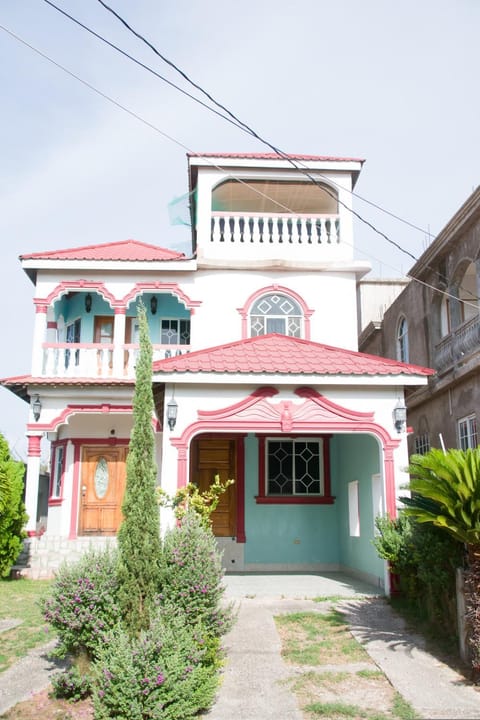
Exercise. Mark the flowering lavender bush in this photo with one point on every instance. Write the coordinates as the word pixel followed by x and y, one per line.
pixel 71 684
pixel 192 576
pixel 161 675
pixel 82 606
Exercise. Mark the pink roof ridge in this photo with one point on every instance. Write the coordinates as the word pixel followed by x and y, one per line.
pixel 125 250
pixel 275 156
pixel 283 354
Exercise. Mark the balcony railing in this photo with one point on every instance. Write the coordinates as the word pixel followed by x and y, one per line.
pixel 94 360
pixel 278 229
pixel 459 345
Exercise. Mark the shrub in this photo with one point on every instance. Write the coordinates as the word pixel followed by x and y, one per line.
pixel 71 684
pixel 161 675
pixel 12 509
pixel 83 603
pixel 192 576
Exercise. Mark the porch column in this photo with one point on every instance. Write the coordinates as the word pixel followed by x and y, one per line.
pixel 39 335
pixel 119 341
pixel 32 480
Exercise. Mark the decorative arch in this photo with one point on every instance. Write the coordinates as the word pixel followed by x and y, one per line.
pixel 77 285
pixel 162 287
pixel 316 414
pixel 62 417
pixel 244 311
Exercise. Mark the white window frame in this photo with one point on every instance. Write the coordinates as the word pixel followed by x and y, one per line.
pixel 257 317
pixel 295 481
pixel 467 432
pixel 58 470
pixel 180 340
pixel 402 340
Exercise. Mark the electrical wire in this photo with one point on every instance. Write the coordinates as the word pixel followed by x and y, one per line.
pixel 147 123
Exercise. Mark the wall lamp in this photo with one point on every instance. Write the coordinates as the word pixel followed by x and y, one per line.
pixel 172 411
pixel 36 407
pixel 400 417
pixel 88 302
pixel 153 304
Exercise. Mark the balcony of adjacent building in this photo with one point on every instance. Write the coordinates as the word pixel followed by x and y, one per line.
pixel 459 325
pixel 85 337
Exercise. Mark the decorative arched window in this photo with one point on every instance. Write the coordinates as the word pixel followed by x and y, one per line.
pixel 276 313
pixel 402 340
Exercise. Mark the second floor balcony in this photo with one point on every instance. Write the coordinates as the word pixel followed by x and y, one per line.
pixel 459 345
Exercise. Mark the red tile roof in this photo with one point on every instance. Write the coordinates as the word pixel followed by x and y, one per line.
pixel 126 250
pixel 285 355
pixel 274 156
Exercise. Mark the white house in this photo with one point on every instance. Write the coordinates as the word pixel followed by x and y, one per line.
pixel 255 361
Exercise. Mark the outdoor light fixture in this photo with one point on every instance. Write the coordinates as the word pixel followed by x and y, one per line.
pixel 172 410
pixel 153 304
pixel 36 407
pixel 88 302
pixel 400 417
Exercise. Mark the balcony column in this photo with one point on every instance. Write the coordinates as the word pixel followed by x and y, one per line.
pixel 32 481
pixel 119 341
pixel 39 336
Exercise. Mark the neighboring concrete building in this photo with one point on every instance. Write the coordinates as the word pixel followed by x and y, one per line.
pixel 435 322
pixel 256 373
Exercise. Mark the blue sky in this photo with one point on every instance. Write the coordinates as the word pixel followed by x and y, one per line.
pixel 395 83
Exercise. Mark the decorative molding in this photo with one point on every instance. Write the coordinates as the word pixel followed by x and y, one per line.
pixel 78 285
pixel 162 287
pixel 244 311
pixel 34 445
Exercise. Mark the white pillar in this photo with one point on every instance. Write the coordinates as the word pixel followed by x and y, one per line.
pixel 31 488
pixel 39 335
pixel 119 341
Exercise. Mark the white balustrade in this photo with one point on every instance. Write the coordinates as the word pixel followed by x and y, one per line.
pixel 258 228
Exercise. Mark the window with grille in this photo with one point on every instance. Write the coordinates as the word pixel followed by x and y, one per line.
pixel 294 467
pixel 422 444
pixel 276 313
pixel 402 341
pixel 175 332
pixel 467 432
pixel 58 464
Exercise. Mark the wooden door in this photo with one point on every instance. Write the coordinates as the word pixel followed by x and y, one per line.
pixel 101 491
pixel 210 457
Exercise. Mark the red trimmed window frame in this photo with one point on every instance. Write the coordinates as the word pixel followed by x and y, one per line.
pixel 264 499
pixel 54 500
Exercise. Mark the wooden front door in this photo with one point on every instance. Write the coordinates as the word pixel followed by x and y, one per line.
pixel 102 488
pixel 210 457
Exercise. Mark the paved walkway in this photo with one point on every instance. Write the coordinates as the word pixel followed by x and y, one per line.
pixel 252 687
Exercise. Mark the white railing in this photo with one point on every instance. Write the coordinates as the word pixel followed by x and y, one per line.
pixel 284 229
pixel 89 360
pixel 457 346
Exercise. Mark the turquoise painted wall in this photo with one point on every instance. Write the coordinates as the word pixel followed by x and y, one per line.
pixel 273 530
pixel 356 457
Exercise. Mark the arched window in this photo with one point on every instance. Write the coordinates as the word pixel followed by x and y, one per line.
pixel 276 313
pixel 402 340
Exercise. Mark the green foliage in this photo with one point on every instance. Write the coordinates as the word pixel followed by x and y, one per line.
pixel 190 498
pixel 139 534
pixel 71 684
pixel 12 509
pixel 192 576
pixel 83 604
pixel 425 558
pixel 159 675
pixel 446 492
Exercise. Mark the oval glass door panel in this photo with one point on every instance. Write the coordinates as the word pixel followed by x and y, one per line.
pixel 101 478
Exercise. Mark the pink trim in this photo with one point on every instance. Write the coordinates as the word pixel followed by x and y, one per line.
pixel 55 501
pixel 120 310
pixel 40 307
pixel 73 409
pixel 161 287
pixel 294 500
pixel 75 490
pixel 240 483
pixel 245 310
pixel 53 464
pixel 52 325
pixel 252 399
pixel 34 445
pixel 67 285
pixel 32 533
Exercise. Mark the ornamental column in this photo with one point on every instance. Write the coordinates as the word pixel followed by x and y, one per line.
pixel 39 335
pixel 32 481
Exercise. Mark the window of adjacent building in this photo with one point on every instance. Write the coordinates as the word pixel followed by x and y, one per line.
pixel 175 332
pixel 276 313
pixel 467 432
pixel 353 509
pixel 58 464
pixel 445 319
pixel 422 444
pixel 402 340
pixel 468 294
pixel 294 467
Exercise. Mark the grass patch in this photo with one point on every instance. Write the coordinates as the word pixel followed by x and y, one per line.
pixel 311 638
pixel 19 600
pixel 341 711
pixel 370 674
pixel 402 709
